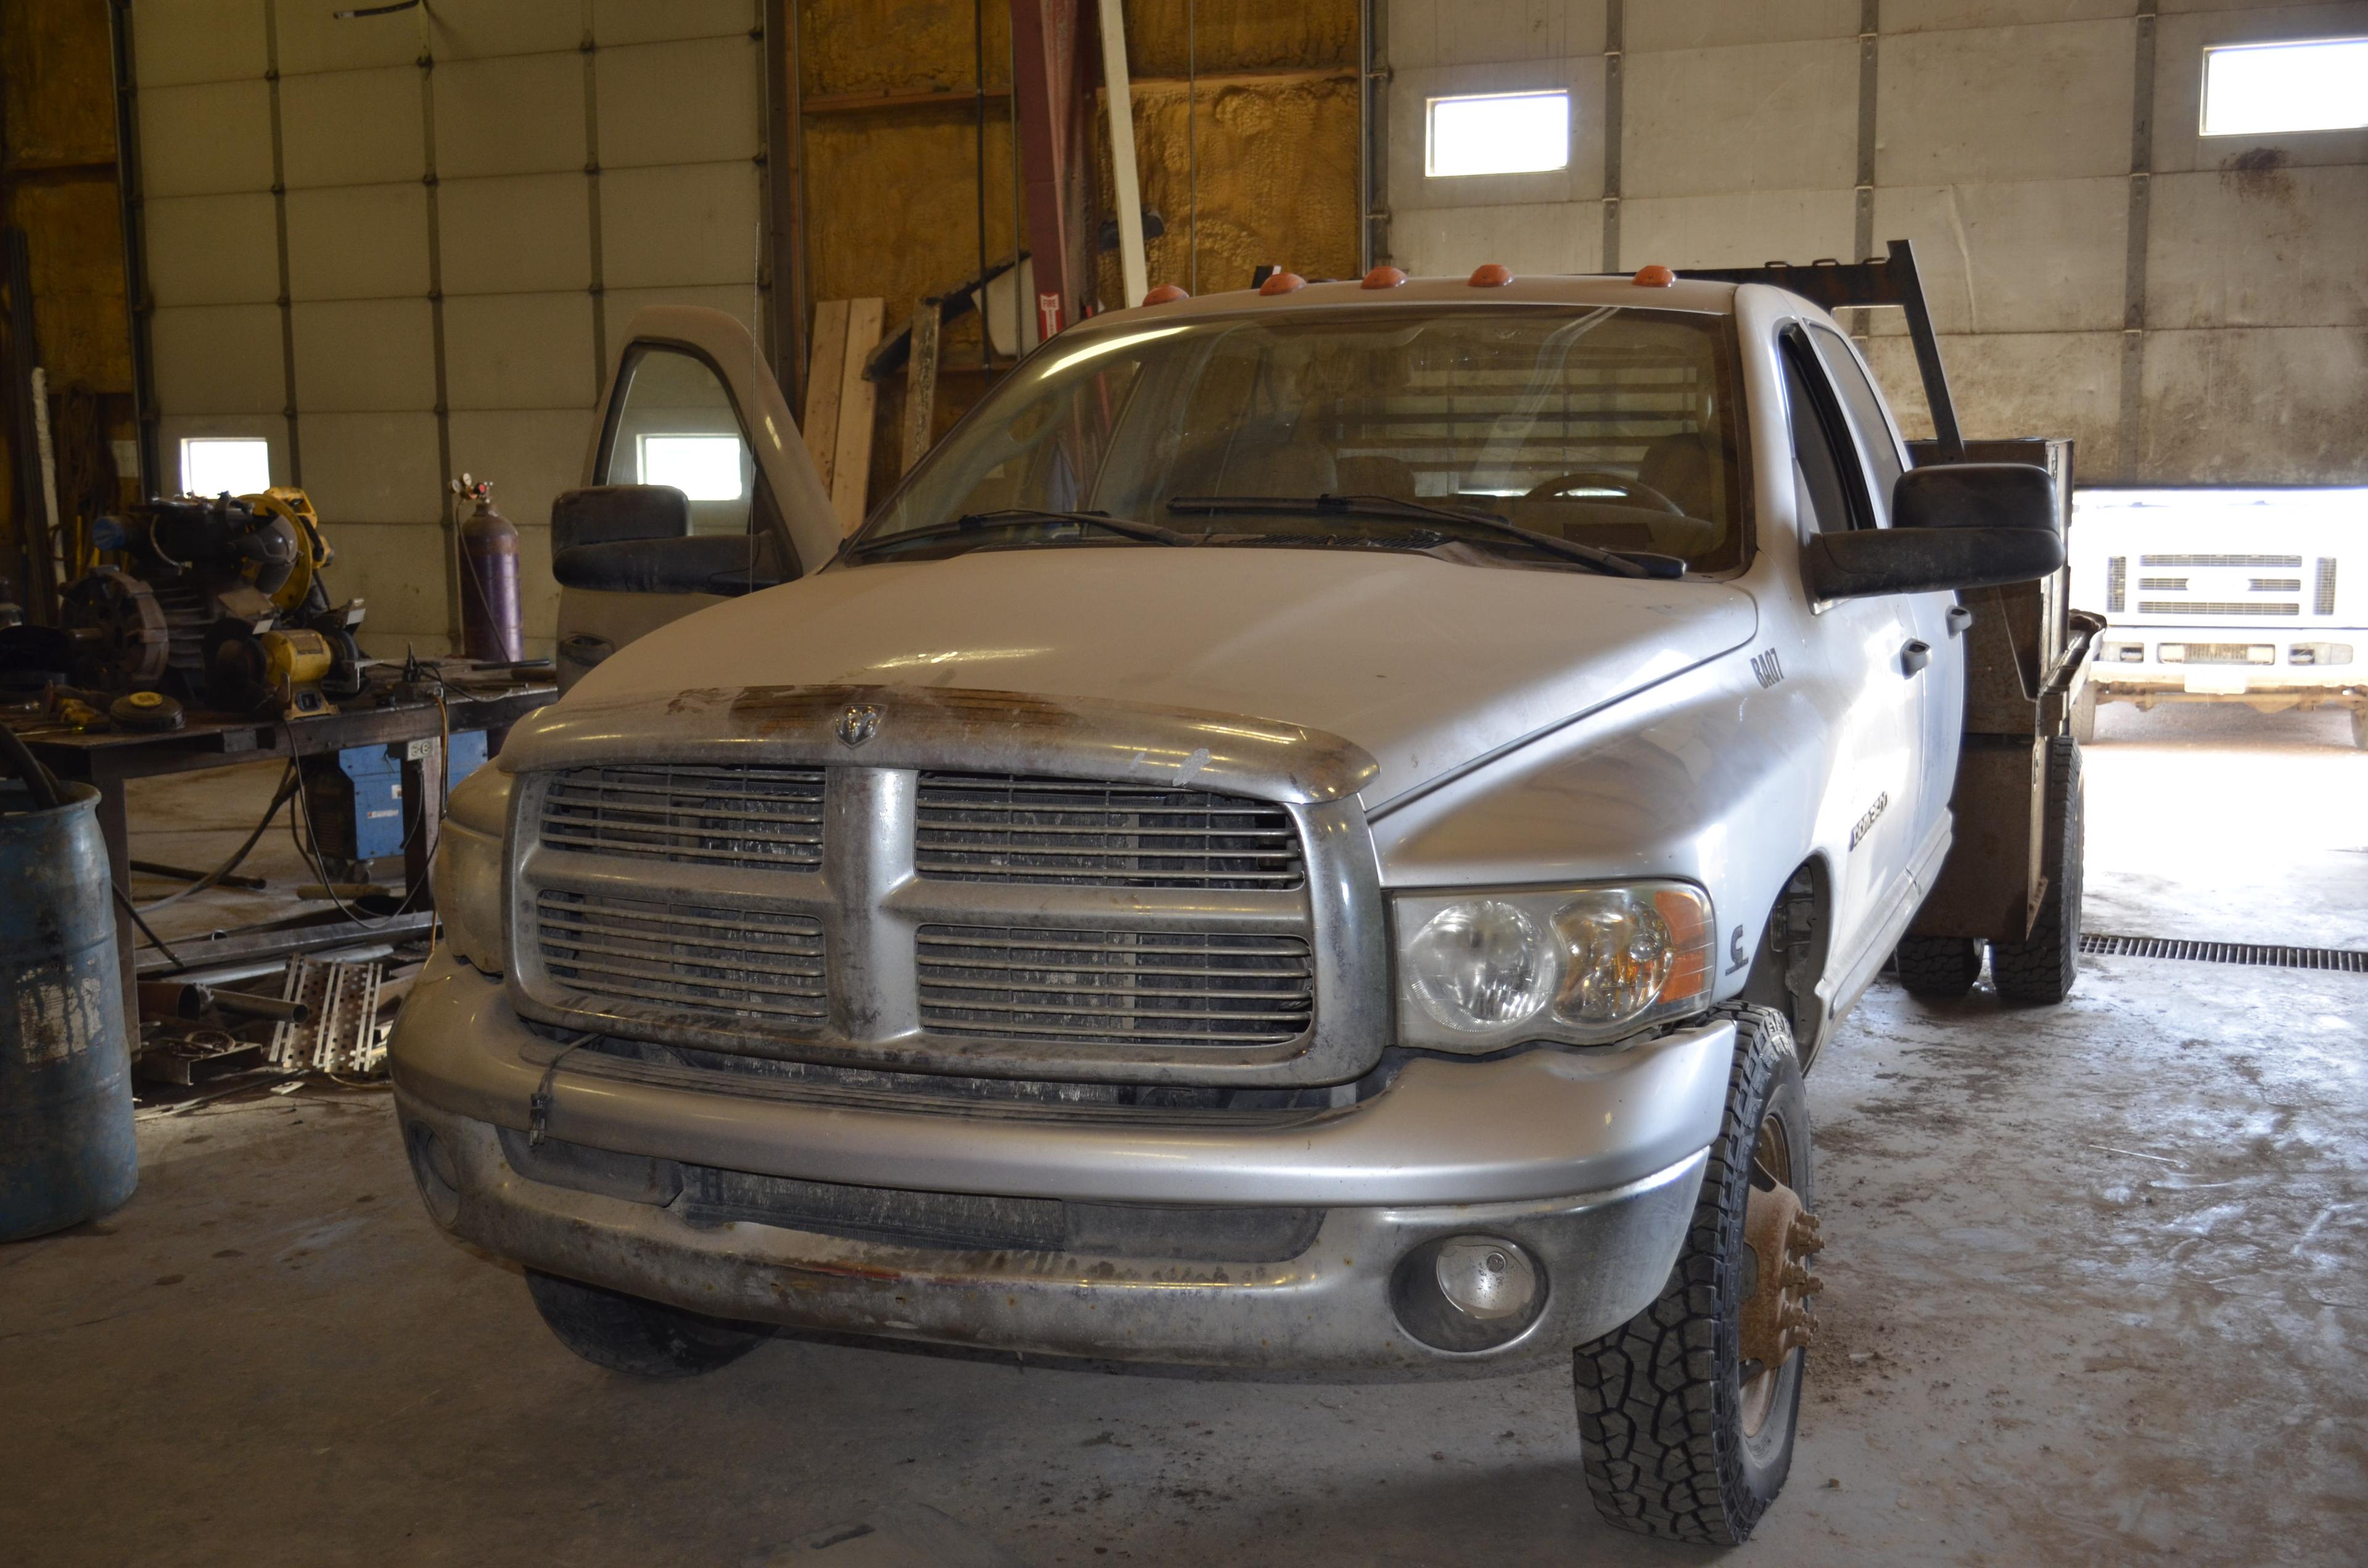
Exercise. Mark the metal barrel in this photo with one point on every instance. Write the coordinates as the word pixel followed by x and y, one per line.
pixel 66 1147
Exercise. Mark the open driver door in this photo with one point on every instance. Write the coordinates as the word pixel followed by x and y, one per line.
pixel 697 488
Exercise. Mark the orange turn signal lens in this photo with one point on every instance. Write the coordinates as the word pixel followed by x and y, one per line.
pixel 1384 277
pixel 1282 283
pixel 1491 274
pixel 1166 294
pixel 1653 276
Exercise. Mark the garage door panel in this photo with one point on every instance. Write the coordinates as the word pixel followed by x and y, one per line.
pixel 2279 249
pixel 364 356
pixel 2207 421
pixel 523 115
pixel 519 350
pixel 212 250
pixel 734 300
pixel 1768 117
pixel 172 429
pixel 648 118
pixel 218 359
pixel 312 40
pixel 1974 244
pixel 1736 229
pixel 637 21
pixel 683 225
pixel 398 570
pixel 481 29
pixel 204 141
pixel 371 468
pixel 352 128
pixel 177 41
pixel 2041 383
pixel 2005 103
pixel 531 454
pixel 360 241
pixel 1529 237
pixel 515 233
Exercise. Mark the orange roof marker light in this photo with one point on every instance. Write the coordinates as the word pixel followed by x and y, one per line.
pixel 1491 274
pixel 1384 277
pixel 1282 283
pixel 1655 277
pixel 1166 294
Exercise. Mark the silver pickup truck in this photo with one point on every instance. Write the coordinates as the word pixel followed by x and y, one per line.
pixel 1319 827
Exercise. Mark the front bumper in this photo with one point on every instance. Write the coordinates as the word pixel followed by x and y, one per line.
pixel 1590 1161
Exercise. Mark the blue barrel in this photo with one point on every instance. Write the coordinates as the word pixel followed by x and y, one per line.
pixel 66 1147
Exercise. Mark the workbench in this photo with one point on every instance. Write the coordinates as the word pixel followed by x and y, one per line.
pixel 110 759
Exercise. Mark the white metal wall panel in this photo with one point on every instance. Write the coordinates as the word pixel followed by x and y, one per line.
pixel 495 267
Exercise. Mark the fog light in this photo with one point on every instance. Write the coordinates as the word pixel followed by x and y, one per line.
pixel 432 1168
pixel 2172 652
pixel 1467 1293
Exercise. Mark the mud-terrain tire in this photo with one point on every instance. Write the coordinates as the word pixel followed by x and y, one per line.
pixel 1666 1420
pixel 2041 970
pixel 1938 969
pixel 626 1334
pixel 2084 714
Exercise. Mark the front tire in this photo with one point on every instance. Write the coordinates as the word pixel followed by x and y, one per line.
pixel 1687 1411
pixel 626 1334
pixel 2042 969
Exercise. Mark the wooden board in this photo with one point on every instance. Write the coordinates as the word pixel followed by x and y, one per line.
pixel 824 377
pixel 921 384
pixel 850 482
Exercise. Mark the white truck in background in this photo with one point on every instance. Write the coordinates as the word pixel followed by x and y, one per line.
pixel 2225 595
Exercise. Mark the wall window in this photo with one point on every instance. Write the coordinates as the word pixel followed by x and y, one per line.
pixel 213 464
pixel 704 468
pixel 1499 133
pixel 2258 89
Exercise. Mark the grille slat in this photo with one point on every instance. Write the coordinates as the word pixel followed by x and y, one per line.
pixel 992 828
pixel 2220 560
pixel 1126 987
pixel 765 814
pixel 2212 606
pixel 2323 599
pixel 628 949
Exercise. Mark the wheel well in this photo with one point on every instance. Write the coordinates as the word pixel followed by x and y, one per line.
pixel 1792 955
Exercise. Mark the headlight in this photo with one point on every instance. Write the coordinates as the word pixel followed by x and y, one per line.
pixel 467 878
pixel 1583 965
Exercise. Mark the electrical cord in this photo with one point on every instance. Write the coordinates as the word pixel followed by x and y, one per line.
pixel 290 782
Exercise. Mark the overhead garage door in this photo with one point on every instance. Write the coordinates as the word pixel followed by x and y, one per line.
pixel 398 247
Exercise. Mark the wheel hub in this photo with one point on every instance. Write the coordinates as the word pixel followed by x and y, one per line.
pixel 1777 1317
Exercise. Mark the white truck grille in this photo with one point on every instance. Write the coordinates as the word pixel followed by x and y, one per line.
pixel 725 816
pixel 1001 827
pixel 636 954
pixel 1147 987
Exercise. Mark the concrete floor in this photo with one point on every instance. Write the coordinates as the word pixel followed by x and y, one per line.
pixel 2094 1273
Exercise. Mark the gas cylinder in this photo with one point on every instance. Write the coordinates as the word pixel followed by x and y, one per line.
pixel 490 627
pixel 66 1147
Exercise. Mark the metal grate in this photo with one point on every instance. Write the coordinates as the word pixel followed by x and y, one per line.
pixel 2220 560
pixel 2229 653
pixel 999 827
pixel 2323 602
pixel 2275 584
pixel 2349 961
pixel 1128 987
pixel 2212 606
pixel 2117 585
pixel 732 963
pixel 771 815
pixel 2163 585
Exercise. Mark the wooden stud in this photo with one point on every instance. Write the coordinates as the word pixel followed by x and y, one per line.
pixel 858 398
pixel 823 375
pixel 921 384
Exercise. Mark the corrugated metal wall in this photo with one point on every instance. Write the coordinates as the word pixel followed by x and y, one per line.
pixel 399 247
pixel 2012 141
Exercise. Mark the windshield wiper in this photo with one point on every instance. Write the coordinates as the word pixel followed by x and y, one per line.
pixel 1019 517
pixel 1604 561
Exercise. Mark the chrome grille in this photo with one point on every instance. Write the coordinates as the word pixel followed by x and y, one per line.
pixel 1001 827
pixel 2214 606
pixel 2117 584
pixel 2323 601
pixel 2220 560
pixel 2229 653
pixel 1121 987
pixel 767 815
pixel 734 963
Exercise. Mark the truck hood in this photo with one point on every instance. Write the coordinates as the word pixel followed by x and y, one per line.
pixel 1428 664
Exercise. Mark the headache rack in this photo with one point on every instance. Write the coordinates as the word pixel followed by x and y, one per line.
pixel 1891 283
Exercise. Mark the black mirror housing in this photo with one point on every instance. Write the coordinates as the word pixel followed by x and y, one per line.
pixel 727 564
pixel 602 514
pixel 1928 560
pixel 1974 495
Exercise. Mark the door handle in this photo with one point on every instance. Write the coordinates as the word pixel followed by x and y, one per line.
pixel 1914 656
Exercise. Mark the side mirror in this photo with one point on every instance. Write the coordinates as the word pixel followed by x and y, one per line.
pixel 602 514
pixel 724 565
pixel 1957 525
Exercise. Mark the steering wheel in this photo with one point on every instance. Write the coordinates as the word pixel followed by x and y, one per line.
pixel 1602 479
pixel 1685 532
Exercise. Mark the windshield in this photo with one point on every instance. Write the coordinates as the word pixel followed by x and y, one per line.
pixel 1610 428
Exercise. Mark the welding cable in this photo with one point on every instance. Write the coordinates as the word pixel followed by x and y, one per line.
pixel 154 940
pixel 290 782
